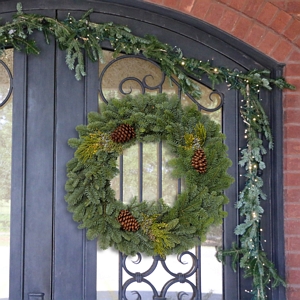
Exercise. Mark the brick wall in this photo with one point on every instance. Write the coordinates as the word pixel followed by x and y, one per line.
pixel 273 27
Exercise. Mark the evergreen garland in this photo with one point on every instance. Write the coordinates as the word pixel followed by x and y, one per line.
pixel 162 229
pixel 250 253
pixel 77 37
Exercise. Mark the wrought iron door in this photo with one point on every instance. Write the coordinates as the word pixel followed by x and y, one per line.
pixel 50 257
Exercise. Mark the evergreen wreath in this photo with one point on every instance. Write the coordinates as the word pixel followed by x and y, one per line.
pixel 148 227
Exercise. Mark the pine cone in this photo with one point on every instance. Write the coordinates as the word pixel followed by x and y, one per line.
pixel 199 161
pixel 123 133
pixel 128 221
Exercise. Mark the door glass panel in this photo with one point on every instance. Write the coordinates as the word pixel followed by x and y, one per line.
pixel 150 169
pixel 6 66
pixel 145 174
pixel 130 173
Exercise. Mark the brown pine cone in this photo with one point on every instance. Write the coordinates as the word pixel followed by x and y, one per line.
pixel 128 221
pixel 123 133
pixel 199 161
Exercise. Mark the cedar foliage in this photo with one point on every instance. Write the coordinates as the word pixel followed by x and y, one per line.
pixel 163 229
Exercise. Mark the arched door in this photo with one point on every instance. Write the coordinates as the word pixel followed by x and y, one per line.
pixel 50 258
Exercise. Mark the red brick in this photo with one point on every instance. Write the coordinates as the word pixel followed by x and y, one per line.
pixel 201 8
pixel 293 293
pixel 291 100
pixel 279 3
pixel 252 7
pixel 225 1
pixel 292 227
pixel 255 35
pixel 292 32
pixel 292 243
pixel 292 195
pixel 267 13
pixel 293 260
pixel 269 42
pixel 297 41
pixel 282 51
pixel 292 147
pixel 293 6
pixel 292 179
pixel 295 56
pixel 293 276
pixel 293 70
pixel 238 4
pixel 292 116
pixel 292 164
pixel 186 5
pixel 228 20
pixel 214 14
pixel 295 81
pixel 242 27
pixel 171 3
pixel 292 131
pixel 281 21
pixel 292 210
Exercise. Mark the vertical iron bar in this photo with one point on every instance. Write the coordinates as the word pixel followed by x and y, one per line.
pixel 121 195
pixel 179 186
pixel 159 170
pixel 121 169
pixel 120 276
pixel 140 172
pixel 198 273
pixel 179 179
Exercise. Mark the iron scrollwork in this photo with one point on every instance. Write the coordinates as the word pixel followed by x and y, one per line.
pixel 177 277
pixel 144 86
pixel 7 96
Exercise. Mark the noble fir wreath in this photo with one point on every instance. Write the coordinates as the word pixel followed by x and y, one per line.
pixel 200 160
